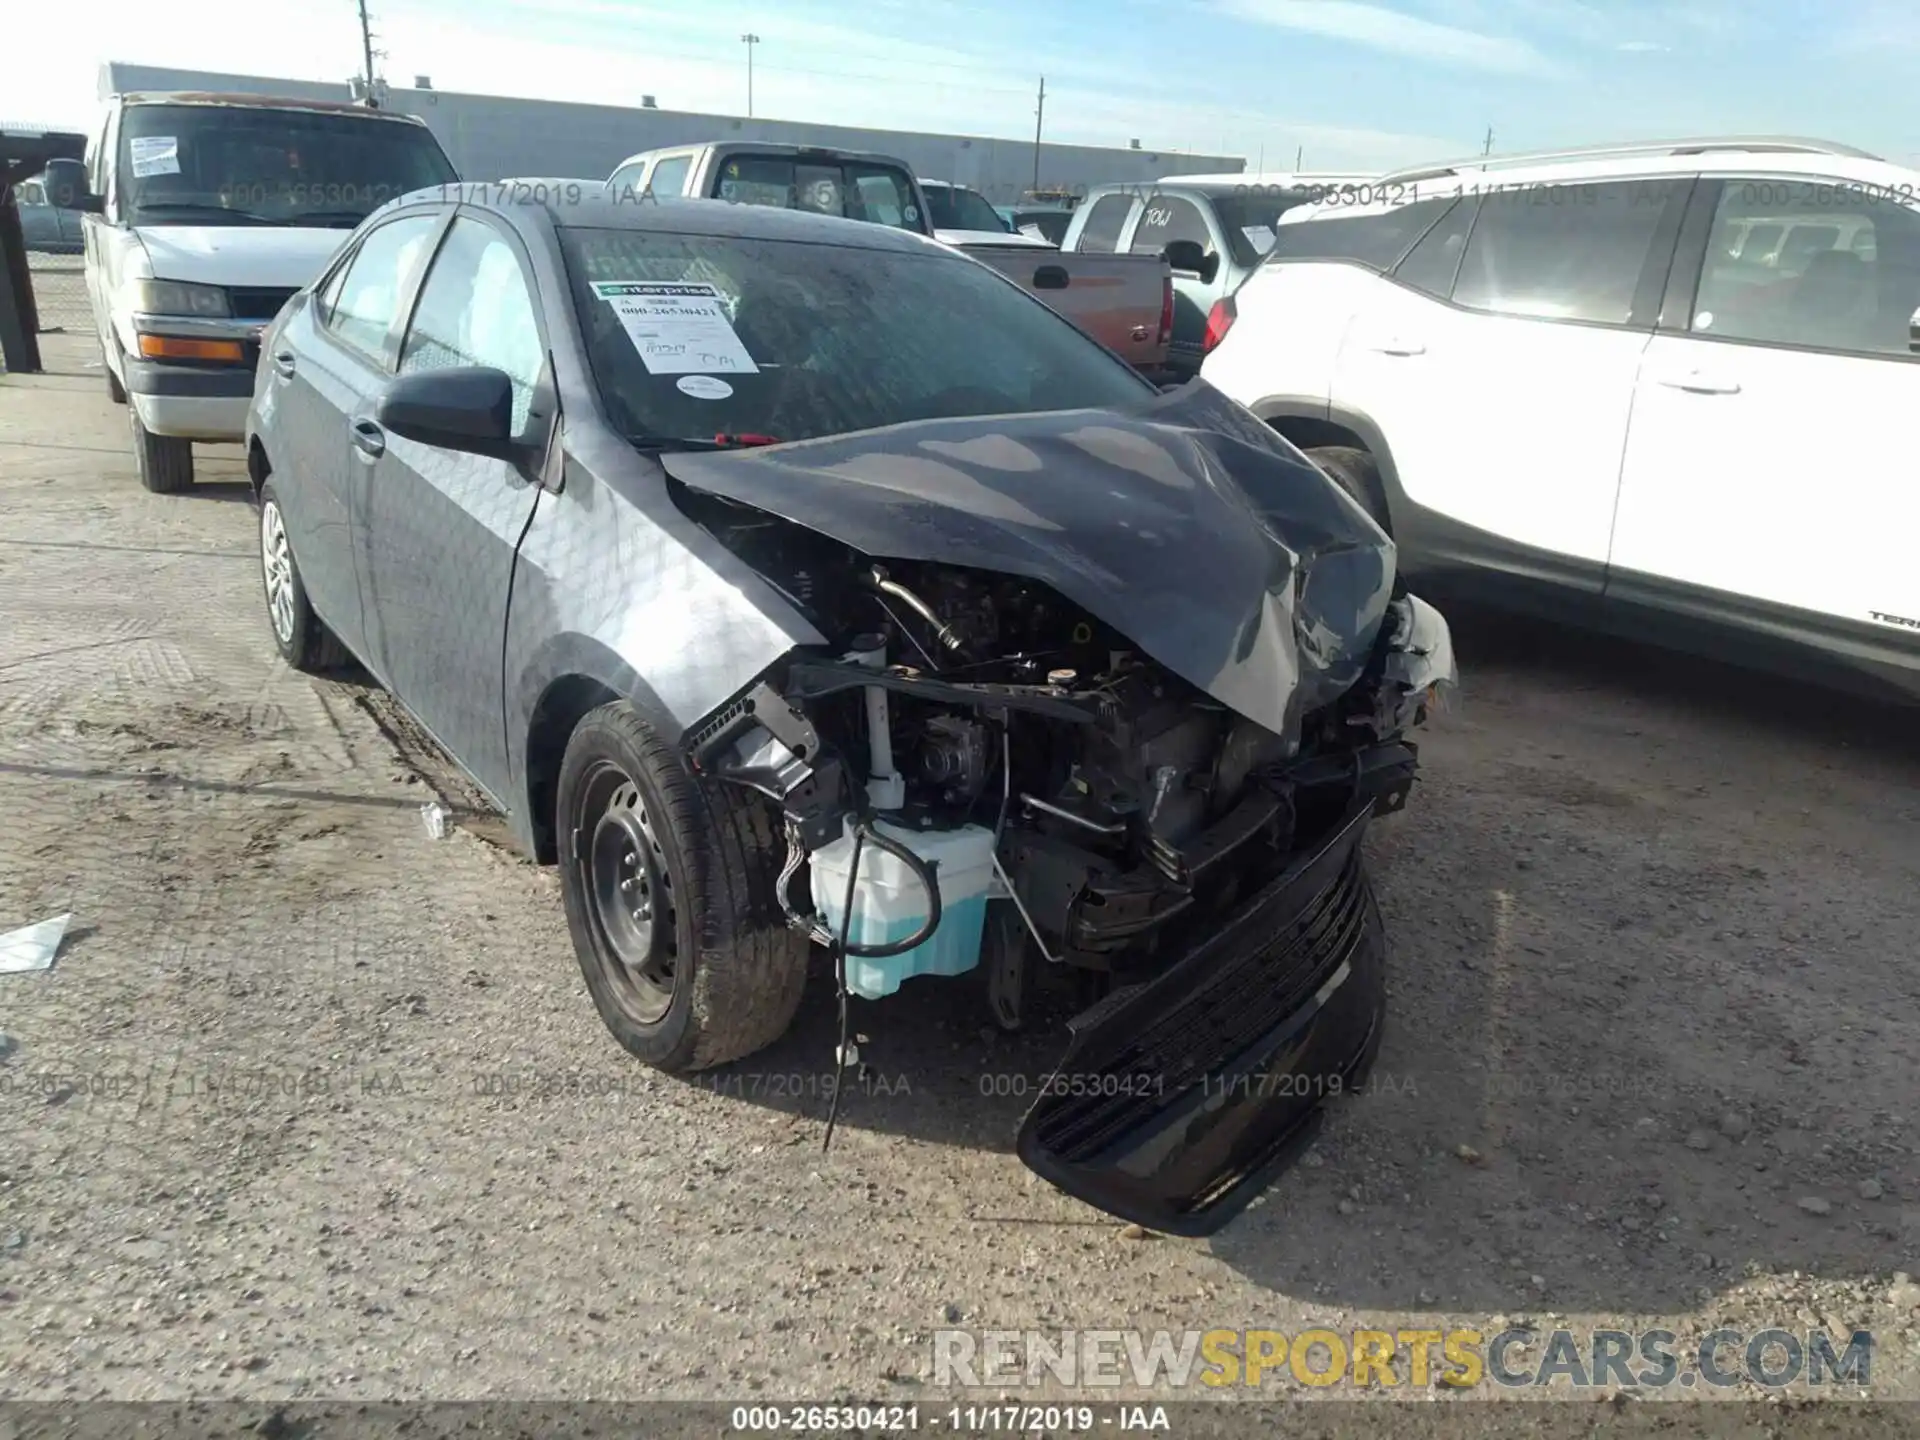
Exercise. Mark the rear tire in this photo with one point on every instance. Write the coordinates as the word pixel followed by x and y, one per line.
pixel 300 636
pixel 165 462
pixel 1355 472
pixel 116 392
pixel 669 883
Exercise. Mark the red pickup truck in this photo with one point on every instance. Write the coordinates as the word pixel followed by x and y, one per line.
pixel 1123 301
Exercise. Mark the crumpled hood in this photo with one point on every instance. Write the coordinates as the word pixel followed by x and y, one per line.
pixel 1183 522
pixel 267 256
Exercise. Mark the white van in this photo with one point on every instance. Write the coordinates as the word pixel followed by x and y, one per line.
pixel 204 214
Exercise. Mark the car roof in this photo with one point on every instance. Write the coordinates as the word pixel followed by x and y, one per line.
pixel 1654 161
pixel 1777 155
pixel 234 99
pixel 765 147
pixel 593 205
pixel 1267 177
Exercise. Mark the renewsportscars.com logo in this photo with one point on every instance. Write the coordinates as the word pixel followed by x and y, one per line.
pixel 1455 1358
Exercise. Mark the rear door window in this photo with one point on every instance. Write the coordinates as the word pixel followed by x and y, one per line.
pixel 1564 252
pixel 1376 240
pixel 1165 219
pixel 1104 222
pixel 670 175
pixel 1430 267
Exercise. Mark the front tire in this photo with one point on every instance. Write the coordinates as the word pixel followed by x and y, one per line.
pixel 1355 472
pixel 300 636
pixel 165 462
pixel 669 883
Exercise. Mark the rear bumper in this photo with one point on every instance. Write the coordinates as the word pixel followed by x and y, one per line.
pixel 1179 1101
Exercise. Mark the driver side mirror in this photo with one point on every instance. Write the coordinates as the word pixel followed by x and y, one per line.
pixel 66 187
pixel 465 408
pixel 1188 258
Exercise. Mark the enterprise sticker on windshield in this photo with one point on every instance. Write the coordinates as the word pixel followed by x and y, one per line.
pixel 154 155
pixel 703 387
pixel 677 329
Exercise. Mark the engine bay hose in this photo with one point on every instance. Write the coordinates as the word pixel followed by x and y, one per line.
pixel 942 631
pixel 923 871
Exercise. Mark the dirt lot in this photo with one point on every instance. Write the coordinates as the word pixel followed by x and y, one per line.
pixel 315 1105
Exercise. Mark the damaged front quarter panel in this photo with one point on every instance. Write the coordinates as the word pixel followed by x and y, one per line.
pixel 1187 827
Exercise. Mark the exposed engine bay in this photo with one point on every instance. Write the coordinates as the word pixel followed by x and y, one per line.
pixel 1121 810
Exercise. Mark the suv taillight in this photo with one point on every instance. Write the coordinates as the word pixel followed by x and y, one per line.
pixel 1219 321
pixel 1166 310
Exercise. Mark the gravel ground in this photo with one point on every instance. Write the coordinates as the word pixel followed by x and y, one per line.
pixel 313 1105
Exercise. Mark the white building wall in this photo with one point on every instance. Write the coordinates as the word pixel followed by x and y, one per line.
pixel 489 137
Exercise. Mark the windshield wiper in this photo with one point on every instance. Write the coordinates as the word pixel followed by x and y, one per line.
pixel 191 207
pixel 685 443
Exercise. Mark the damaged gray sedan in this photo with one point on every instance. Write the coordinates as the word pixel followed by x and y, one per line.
pixel 794 582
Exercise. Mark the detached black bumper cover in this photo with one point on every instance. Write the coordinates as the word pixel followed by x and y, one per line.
pixel 1179 1101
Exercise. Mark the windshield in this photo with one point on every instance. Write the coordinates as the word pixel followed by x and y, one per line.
pixel 252 165
pixel 854 189
pixel 696 336
pixel 956 208
pixel 1249 219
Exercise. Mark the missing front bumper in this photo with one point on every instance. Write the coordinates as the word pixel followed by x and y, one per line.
pixel 1180 1100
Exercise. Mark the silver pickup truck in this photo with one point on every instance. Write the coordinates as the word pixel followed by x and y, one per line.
pixel 1123 301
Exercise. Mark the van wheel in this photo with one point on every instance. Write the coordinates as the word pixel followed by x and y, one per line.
pixel 669 882
pixel 1355 472
pixel 165 462
pixel 116 392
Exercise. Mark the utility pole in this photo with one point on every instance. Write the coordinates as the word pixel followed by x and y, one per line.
pixel 1299 154
pixel 750 40
pixel 1039 118
pixel 1489 147
pixel 366 55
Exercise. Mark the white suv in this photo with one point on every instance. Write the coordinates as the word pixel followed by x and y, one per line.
pixel 1613 384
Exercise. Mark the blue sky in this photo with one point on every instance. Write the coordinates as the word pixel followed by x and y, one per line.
pixel 1351 83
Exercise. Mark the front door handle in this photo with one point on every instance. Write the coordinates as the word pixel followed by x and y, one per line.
pixel 283 364
pixel 1396 345
pixel 1699 382
pixel 369 439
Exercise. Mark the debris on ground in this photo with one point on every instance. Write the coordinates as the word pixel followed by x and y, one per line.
pixel 32 947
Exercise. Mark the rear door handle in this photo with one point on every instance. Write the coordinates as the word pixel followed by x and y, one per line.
pixel 1698 382
pixel 370 439
pixel 283 364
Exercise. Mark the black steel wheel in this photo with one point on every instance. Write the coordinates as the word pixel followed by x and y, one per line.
pixel 669 883
pixel 630 891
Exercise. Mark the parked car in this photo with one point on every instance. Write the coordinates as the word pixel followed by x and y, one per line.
pixel 49 228
pixel 1212 232
pixel 205 212
pixel 792 581
pixel 1573 383
pixel 1123 302
pixel 965 218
